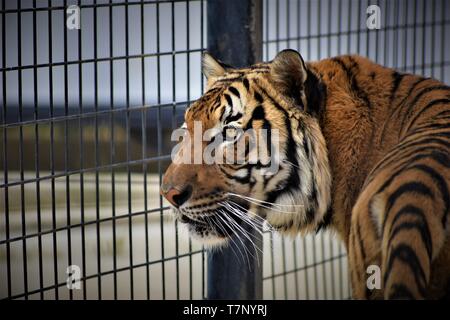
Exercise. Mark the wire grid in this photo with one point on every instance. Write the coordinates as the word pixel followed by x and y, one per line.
pixel 86 120
pixel 412 38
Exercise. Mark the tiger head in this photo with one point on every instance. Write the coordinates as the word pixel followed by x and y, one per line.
pixel 266 117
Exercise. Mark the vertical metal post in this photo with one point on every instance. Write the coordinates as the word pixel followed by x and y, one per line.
pixel 239 43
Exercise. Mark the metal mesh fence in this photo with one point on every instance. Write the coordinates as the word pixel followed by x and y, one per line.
pixel 86 116
pixel 86 120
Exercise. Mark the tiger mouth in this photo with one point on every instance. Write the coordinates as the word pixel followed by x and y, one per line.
pixel 210 227
pixel 217 224
pixel 185 219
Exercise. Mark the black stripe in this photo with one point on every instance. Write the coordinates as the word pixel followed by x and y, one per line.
pixel 306 145
pixel 400 291
pixel 442 134
pixel 411 89
pixel 222 113
pixel 327 220
pixel 442 116
pixel 445 112
pixel 436 138
pixel 258 71
pixel 236 166
pixel 258 97
pixel 210 92
pixel 409 187
pixel 229 100
pixel 438 156
pixel 215 106
pixel 259 66
pixel 247 147
pixel 431 126
pixel 353 271
pixel 258 113
pixel 243 180
pixel 415 211
pixel 232 118
pixel 360 239
pixel 442 186
pixel 435 153
pixel 419 226
pixel 428 106
pixel 246 84
pixel 316 95
pixel 396 79
pixel 427 90
pixel 361 94
pixel 407 255
pixel 362 252
pixel 312 198
pixel 226 80
pixel 293 181
pixel 234 91
pixel 407 146
pixel 437 179
pixel 426 139
pixel 343 66
pixel 399 105
pixel 355 66
pixel 417 97
pixel 268 129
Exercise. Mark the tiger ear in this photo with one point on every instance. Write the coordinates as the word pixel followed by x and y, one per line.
pixel 288 72
pixel 212 67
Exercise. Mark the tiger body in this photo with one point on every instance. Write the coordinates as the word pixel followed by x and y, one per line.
pixel 394 158
pixel 365 151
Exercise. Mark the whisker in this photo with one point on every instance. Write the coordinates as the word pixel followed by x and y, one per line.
pixel 219 225
pixel 244 232
pixel 268 225
pixel 273 208
pixel 263 223
pixel 238 229
pixel 242 214
pixel 289 162
pixel 237 235
pixel 265 202
pixel 254 224
pixel 242 209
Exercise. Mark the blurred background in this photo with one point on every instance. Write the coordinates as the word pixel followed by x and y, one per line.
pixel 85 122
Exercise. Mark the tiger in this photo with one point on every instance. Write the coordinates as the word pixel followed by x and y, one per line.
pixel 364 151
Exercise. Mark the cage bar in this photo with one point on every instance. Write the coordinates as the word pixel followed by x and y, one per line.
pixel 227 277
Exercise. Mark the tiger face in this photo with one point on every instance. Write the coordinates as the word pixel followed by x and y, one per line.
pixel 270 156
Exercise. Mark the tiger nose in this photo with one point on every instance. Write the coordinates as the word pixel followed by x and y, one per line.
pixel 175 196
